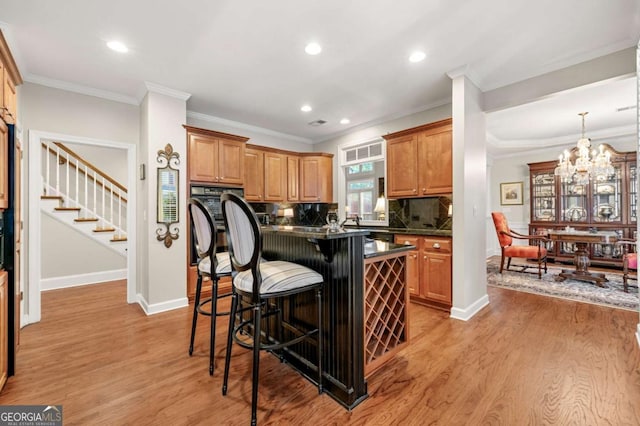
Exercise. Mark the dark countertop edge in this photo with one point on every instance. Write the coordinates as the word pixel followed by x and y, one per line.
pixel 317 232
pixel 408 231
pixel 375 249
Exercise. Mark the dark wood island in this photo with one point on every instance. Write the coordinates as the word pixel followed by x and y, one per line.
pixel 365 303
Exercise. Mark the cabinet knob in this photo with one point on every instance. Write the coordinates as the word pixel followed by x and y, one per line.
pixel 406 243
pixel 425 257
pixel 436 245
pixel 424 190
pixel 414 191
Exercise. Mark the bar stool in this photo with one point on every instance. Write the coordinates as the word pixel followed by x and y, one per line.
pixel 204 235
pixel 260 283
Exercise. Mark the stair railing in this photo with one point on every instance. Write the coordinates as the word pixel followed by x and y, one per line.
pixel 101 195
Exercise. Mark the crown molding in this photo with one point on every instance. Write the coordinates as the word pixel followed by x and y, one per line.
pixel 384 119
pixel 163 90
pixel 83 90
pixel 244 126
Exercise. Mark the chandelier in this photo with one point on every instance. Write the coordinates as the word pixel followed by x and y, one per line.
pixel 588 165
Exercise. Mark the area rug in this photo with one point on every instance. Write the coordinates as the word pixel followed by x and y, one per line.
pixel 612 296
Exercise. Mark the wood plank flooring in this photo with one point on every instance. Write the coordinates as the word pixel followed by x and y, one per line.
pixel 523 360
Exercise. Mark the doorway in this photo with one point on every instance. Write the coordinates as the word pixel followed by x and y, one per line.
pixel 32 300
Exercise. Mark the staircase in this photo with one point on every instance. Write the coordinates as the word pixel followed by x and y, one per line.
pixel 80 195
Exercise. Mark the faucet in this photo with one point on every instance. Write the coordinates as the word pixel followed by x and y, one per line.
pixel 355 218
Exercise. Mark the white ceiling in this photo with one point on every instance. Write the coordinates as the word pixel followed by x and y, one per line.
pixel 244 61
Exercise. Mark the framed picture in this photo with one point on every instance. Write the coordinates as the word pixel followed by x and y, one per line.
pixel 511 193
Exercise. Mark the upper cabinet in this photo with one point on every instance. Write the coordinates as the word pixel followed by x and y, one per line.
pixel 215 157
pixel 10 78
pixel 316 178
pixel 273 175
pixel 420 161
pixel 293 178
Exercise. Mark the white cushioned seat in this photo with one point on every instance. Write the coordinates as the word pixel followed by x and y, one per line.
pixel 278 276
pixel 224 264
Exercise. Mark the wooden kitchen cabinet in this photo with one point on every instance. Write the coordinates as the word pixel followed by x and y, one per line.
pixel 265 175
pixel 215 157
pixel 253 175
pixel 275 176
pixel 316 178
pixel 293 178
pixel 420 161
pixel 4 166
pixel 429 270
pixel 4 328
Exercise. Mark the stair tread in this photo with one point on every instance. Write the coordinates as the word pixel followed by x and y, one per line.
pixel 104 229
pixel 51 197
pixel 118 239
pixel 67 209
pixel 86 219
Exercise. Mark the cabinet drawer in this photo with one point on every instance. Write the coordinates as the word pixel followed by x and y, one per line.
pixel 437 245
pixel 408 240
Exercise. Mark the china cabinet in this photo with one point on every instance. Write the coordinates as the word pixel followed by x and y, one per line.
pixel 606 203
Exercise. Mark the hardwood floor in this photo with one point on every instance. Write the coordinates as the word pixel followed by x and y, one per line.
pixel 524 359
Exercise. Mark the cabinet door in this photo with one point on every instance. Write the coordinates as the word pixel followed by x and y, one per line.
pixel 231 162
pixel 316 175
pixel 203 152
pixel 435 162
pixel 253 161
pixel 436 277
pixel 402 167
pixel 275 176
pixel 4 159
pixel 293 178
pixel 413 263
pixel 4 328
pixel 9 95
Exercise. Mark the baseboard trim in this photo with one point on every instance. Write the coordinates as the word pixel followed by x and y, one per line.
pixel 56 283
pixel 156 308
pixel 467 313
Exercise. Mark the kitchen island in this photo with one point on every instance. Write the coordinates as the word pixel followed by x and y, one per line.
pixel 365 304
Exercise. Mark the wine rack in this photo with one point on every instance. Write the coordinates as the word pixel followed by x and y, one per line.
pixel 386 309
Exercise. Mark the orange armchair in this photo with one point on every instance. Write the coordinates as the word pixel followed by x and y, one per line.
pixel 505 238
pixel 629 261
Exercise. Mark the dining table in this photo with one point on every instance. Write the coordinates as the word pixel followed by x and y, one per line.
pixel 581 240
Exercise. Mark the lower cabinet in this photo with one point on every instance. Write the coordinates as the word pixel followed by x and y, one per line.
pixel 4 328
pixel 429 270
pixel 224 284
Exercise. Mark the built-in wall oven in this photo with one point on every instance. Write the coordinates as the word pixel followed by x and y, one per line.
pixel 210 196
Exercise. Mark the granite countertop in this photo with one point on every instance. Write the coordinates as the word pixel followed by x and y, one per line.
pixel 378 248
pixel 317 232
pixel 409 231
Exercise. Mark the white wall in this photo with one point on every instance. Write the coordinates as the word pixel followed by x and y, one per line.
pixel 377 130
pixel 272 140
pixel 57 111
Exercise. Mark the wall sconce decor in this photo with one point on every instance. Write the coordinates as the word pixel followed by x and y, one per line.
pixel 168 180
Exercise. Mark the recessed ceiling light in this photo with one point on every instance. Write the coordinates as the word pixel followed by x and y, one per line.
pixel 417 56
pixel 313 48
pixel 305 108
pixel 345 121
pixel 117 46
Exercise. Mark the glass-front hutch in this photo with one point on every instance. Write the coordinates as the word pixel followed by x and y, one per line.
pixel 601 204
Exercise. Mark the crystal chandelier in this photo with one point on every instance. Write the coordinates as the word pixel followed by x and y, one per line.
pixel 594 165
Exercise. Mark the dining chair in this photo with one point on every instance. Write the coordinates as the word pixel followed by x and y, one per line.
pixel 211 265
pixel 261 285
pixel 629 261
pixel 506 236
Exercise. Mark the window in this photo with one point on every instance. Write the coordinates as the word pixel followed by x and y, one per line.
pixel 363 181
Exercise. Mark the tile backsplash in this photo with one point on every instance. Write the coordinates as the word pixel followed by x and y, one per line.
pixel 421 213
pixel 413 213
pixel 304 214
